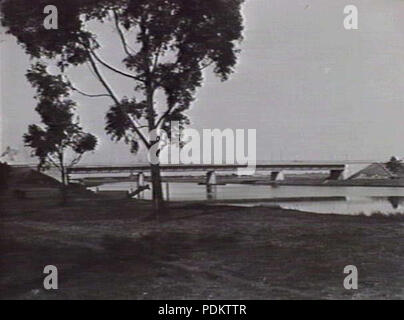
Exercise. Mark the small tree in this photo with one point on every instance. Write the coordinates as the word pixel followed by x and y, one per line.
pixel 394 164
pixel 60 142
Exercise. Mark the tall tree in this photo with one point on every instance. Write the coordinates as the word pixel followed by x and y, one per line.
pixel 60 142
pixel 166 45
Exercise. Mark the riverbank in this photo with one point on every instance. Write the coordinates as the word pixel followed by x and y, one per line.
pixel 109 248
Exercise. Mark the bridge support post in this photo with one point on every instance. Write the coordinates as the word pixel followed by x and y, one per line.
pixel 277 176
pixel 140 183
pixel 133 182
pixel 167 192
pixel 211 187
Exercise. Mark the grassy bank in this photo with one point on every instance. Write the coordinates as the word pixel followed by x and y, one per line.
pixel 111 249
pixel 108 248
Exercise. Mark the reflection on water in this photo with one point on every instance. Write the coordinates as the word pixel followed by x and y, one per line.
pixel 340 200
pixel 355 205
pixel 396 202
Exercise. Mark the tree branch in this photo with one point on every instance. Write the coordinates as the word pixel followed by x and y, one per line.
pixel 156 59
pixel 76 160
pixel 53 162
pixel 113 68
pixel 87 94
pixel 121 35
pixel 117 102
pixel 206 65
pixel 164 115
pixel 102 80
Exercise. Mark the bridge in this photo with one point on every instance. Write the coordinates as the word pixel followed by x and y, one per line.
pixel 203 167
pixel 275 169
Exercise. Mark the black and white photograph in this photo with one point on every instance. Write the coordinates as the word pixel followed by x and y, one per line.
pixel 201 150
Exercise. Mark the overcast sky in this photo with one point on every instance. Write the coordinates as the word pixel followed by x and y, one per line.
pixel 311 89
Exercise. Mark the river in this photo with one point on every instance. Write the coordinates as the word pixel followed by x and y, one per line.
pixel 317 199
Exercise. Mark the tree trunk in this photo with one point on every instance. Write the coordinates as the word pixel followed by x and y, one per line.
pixel 63 174
pixel 64 184
pixel 158 201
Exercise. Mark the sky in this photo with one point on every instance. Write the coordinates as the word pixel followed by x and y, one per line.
pixel 311 89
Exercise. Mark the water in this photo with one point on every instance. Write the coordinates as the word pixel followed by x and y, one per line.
pixel 338 200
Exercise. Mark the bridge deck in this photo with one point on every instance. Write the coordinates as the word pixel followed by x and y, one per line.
pixel 224 167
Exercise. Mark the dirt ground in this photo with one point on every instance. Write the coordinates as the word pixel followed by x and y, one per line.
pixel 106 248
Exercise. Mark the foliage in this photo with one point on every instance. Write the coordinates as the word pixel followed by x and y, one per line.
pixel 176 40
pixel 61 132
